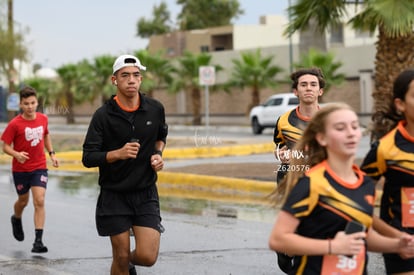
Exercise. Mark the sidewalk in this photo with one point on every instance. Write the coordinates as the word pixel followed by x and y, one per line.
pixel 191 244
pixel 201 243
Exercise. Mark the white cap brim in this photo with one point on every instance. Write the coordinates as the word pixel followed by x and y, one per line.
pixel 127 60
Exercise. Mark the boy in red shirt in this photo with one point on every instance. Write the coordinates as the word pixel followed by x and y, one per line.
pixel 25 138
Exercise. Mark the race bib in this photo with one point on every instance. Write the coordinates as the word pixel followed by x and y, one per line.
pixel 343 265
pixel 407 206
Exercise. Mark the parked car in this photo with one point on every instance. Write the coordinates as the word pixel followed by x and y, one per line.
pixel 266 114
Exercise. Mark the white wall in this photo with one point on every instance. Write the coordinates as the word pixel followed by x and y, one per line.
pixel 263 35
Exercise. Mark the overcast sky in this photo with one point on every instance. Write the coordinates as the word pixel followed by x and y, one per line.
pixel 66 31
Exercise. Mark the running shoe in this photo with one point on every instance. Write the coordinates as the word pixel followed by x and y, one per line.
pixel 17 228
pixel 38 247
pixel 284 262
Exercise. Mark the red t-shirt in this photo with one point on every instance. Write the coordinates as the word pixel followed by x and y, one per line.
pixel 28 136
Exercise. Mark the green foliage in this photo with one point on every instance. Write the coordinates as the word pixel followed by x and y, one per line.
pixel 45 88
pixel 201 14
pixel 195 14
pixel 46 93
pixel 12 46
pixel 76 84
pixel 324 12
pixel 159 24
pixel 187 70
pixel 395 17
pixel 75 80
pixel 100 71
pixel 324 61
pixel 75 89
pixel 159 71
pixel 254 70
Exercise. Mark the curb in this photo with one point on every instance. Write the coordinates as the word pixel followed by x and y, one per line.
pixel 202 186
pixel 212 152
pixel 181 153
pixel 192 185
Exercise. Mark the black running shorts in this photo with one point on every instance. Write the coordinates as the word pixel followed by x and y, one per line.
pixel 118 212
pixel 395 264
pixel 23 181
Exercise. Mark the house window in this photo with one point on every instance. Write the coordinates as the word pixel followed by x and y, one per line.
pixel 362 34
pixel 274 102
pixel 170 51
pixel 204 49
pixel 337 33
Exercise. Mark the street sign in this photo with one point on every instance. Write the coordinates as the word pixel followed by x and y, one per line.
pixel 207 75
pixel 13 102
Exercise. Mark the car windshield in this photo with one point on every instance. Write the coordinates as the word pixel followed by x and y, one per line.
pixel 274 102
pixel 293 101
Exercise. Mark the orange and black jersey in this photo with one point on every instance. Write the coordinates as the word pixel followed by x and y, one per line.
pixel 289 128
pixel 392 157
pixel 324 204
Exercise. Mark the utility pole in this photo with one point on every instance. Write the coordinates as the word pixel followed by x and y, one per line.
pixel 290 42
pixel 11 74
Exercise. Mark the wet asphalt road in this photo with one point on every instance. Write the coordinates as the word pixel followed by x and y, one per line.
pixel 203 244
pixel 192 244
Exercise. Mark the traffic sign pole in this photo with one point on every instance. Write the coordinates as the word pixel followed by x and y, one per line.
pixel 207 110
pixel 207 77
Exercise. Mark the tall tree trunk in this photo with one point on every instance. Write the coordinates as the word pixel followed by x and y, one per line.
pixel 11 73
pixel 312 38
pixel 70 115
pixel 393 56
pixel 255 99
pixel 196 100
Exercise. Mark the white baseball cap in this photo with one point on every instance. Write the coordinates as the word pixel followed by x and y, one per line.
pixel 127 60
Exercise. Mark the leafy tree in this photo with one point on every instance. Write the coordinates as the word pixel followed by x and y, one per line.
pixel 159 71
pixel 254 71
pixel 201 14
pixel 324 61
pixel 187 78
pixel 45 89
pixel 159 24
pixel 195 14
pixel 12 48
pixel 394 21
pixel 100 81
pixel 74 89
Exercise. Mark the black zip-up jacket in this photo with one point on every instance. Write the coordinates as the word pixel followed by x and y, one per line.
pixel 110 129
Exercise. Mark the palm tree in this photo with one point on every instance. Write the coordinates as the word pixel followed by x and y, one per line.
pixel 75 87
pixel 394 21
pixel 100 81
pixel 325 62
pixel 187 78
pixel 13 47
pixel 253 71
pixel 45 89
pixel 159 71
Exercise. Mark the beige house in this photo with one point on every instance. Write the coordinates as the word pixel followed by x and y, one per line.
pixel 269 33
pixel 355 50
